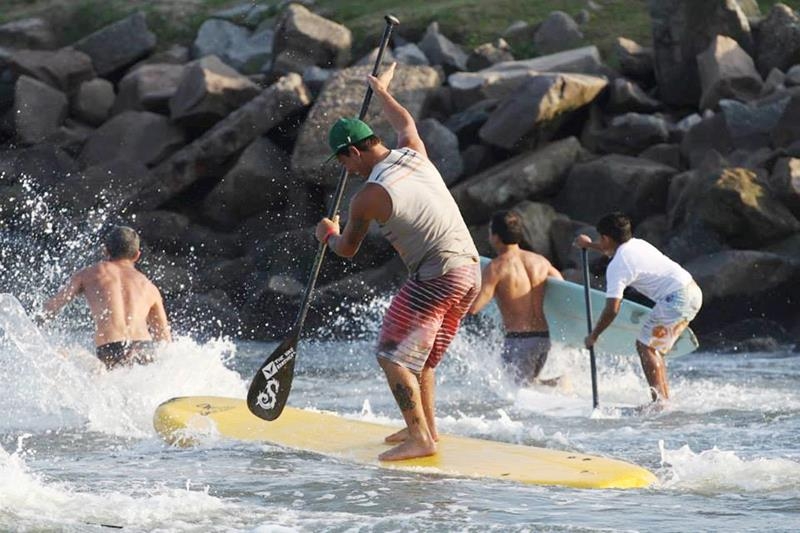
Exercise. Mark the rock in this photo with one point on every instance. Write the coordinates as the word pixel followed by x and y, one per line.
pixel 533 175
pixel 229 136
pixel 666 154
pixel 259 180
pixel 635 61
pixel 625 96
pixel 467 123
pixel 534 111
pixel 488 54
pixel 774 82
pixel 735 203
pixel 557 32
pixel 785 183
pixel 315 78
pixel 502 79
pixel 38 111
pixel 208 92
pixel 637 187
pixel 709 134
pixel 681 30
pixel 726 71
pixel 92 103
pixel 236 46
pixel 410 54
pixel 63 69
pixel 563 232
pixel 372 56
pixel 149 88
pixel 118 45
pixel 442 147
pixel 628 134
pixel 107 186
pixel 750 126
pixel 303 39
pixel 248 14
pixel 778 39
pixel 341 97
pixel 30 33
pixel 133 135
pixel 787 130
pixel 537 220
pixel 442 51
pixel 477 158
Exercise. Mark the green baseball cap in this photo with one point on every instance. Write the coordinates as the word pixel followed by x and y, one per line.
pixel 347 132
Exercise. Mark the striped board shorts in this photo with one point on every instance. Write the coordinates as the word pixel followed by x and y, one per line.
pixel 424 316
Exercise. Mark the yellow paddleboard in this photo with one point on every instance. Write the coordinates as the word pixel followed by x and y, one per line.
pixel 177 420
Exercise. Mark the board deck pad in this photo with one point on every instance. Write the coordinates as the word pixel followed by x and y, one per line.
pixel 182 420
pixel 565 311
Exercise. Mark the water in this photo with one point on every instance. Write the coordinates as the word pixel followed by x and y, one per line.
pixel 78 453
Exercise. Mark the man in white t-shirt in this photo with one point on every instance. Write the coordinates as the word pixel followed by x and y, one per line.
pixel 639 264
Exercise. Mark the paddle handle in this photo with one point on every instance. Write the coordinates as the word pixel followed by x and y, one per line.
pixel 391 22
pixel 589 324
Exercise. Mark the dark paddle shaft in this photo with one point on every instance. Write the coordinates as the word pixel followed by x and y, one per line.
pixel 589 323
pixel 270 387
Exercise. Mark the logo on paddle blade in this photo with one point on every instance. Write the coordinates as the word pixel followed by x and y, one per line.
pixel 268 397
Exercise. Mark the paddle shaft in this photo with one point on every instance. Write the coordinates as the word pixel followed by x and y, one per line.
pixel 391 22
pixel 589 325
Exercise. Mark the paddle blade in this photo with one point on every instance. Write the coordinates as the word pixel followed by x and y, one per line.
pixel 270 387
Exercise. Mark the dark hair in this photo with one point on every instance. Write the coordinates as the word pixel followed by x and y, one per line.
pixel 122 242
pixel 507 225
pixel 615 225
pixel 362 145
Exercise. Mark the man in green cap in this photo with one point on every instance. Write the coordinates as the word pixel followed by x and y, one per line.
pixel 405 194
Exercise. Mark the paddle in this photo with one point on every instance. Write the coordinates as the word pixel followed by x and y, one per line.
pixel 587 296
pixel 270 387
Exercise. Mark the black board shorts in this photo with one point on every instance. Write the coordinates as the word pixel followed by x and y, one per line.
pixel 128 353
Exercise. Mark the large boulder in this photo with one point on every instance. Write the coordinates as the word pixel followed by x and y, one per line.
pixel 107 185
pixel 342 97
pixel 556 33
pixel 785 183
pixel 29 33
pixel 133 135
pixel 209 91
pixel 628 134
pixel 681 30
pixel 39 110
pixel 228 137
pixel 500 80
pixel 533 112
pixel 303 39
pixel 726 71
pixel 635 61
pixel 529 176
pixel 442 147
pixel 778 40
pixel 64 69
pixel 737 204
pixel 259 180
pixel 118 45
pixel 537 221
pixel 93 101
pixel 637 187
pixel 149 88
pixel 236 46
pixel 442 51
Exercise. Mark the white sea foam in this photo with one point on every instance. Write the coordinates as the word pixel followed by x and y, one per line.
pixel 720 471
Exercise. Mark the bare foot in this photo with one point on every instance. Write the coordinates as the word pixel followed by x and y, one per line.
pixel 402 435
pixel 409 449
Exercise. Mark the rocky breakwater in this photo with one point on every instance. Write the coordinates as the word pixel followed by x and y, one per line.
pixel 216 152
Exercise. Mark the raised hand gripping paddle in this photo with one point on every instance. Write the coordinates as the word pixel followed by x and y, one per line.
pixel 587 295
pixel 270 387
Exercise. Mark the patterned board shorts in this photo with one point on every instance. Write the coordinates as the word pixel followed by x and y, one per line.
pixel 424 316
pixel 524 354
pixel 670 317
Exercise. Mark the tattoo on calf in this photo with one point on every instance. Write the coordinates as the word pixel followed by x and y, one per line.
pixel 403 395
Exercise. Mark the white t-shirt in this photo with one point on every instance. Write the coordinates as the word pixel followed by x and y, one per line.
pixel 639 264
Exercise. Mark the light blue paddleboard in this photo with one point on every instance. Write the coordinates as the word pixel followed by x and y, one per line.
pixel 565 310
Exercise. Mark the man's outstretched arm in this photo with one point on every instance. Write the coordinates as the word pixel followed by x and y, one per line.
pixel 65 295
pixel 398 116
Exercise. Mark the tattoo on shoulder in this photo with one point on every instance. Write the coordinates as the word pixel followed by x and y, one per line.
pixel 404 396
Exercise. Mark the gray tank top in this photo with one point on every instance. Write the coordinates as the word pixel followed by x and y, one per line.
pixel 426 227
